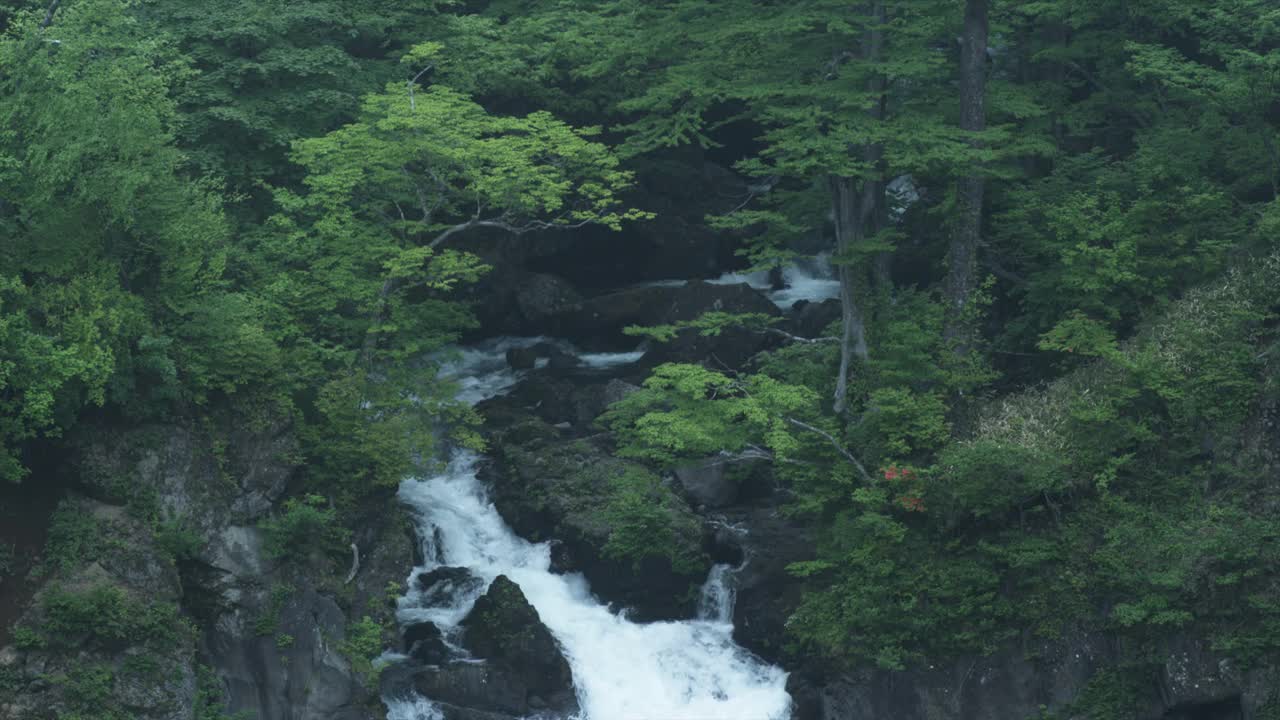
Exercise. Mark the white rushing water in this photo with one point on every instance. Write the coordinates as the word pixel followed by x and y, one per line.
pixel 811 279
pixel 688 670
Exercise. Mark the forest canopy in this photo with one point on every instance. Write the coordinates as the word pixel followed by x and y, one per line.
pixel 1055 226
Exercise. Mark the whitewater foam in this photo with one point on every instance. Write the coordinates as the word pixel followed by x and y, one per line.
pixel 687 670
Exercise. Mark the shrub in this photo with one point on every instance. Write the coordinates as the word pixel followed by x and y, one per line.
pixel 306 522
pixel 362 646
pixel 74 537
pixel 107 615
pixel 644 521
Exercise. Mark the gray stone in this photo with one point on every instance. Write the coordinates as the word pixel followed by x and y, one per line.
pixel 706 482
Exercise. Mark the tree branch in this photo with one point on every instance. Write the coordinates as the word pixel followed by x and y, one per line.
pixel 355 564
pixel 797 338
pixel 508 227
pixel 835 444
pixel 48 15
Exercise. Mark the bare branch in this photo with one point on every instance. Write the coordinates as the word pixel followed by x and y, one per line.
pixel 501 224
pixel 355 564
pixel 48 15
pixel 835 444
pixel 797 338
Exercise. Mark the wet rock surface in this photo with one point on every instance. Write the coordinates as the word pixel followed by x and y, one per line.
pixel 516 669
pixel 550 487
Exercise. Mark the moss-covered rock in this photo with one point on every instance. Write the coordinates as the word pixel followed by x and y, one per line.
pixel 505 629
pixel 636 540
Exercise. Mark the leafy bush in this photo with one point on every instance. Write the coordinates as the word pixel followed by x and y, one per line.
pixel 307 524
pixel 106 615
pixel 362 646
pixel 984 478
pixel 177 541
pixel 269 620
pixel 74 538
pixel 644 521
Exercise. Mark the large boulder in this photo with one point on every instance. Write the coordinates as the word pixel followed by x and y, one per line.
pixel 541 296
pixel 560 399
pixel 521 672
pixel 424 642
pixel 548 487
pixel 707 482
pixel 506 630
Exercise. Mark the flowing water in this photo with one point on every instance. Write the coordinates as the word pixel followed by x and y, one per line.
pixel 687 670
pixel 809 279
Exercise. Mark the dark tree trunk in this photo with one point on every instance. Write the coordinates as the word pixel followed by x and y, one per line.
pixel 963 253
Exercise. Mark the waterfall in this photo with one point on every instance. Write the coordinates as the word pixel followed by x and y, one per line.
pixel 685 670
pixel 718 594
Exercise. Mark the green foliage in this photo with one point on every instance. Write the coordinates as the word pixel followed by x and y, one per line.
pixel 687 411
pixel 89 694
pixel 269 621
pixel 643 518
pixel 363 645
pixel 709 324
pixel 73 538
pixel 178 541
pixel 209 701
pixel 306 525
pixel 107 616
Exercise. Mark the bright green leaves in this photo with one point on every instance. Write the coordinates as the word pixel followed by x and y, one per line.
pixel 686 411
pixel 709 324
pixel 426 164
pixel 646 518
pixel 389 202
pixel 56 353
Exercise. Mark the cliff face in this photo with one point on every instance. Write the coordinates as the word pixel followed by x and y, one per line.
pixel 159 600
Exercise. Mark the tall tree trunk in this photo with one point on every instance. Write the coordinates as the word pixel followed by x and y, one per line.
pixel 846 206
pixel 962 255
pixel 856 208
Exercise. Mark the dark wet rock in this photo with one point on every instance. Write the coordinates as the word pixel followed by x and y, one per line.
pixel 555 399
pixel 707 482
pixel 518 667
pixel 425 643
pixel 616 390
pixel 811 319
pixel 561 359
pixel 445 586
pixel 475 685
pixel 767 593
pixel 561 558
pixel 599 322
pixel 506 630
pixel 541 296
pixel 522 358
pixel 547 487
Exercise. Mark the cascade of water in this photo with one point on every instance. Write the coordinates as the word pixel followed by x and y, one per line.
pixel 689 670
pixel 718 594
pixel 809 279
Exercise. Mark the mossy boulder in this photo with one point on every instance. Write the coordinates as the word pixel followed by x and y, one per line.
pixel 505 629
pixel 634 538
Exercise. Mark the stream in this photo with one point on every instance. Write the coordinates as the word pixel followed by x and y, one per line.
pixel 622 670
